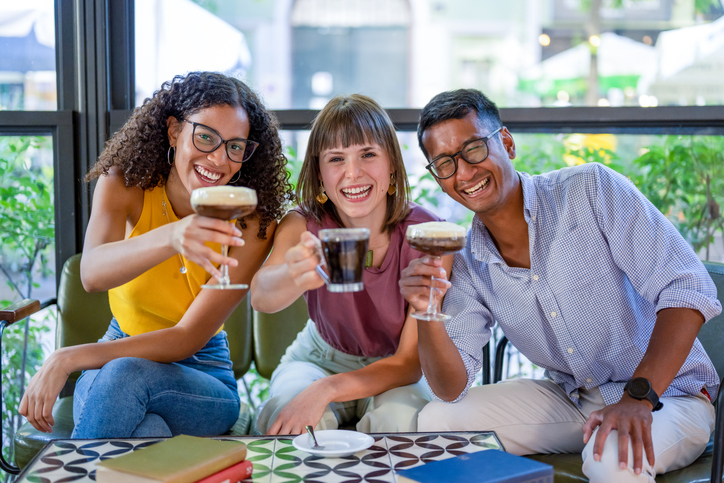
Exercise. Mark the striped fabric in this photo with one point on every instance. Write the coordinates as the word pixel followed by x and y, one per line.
pixel 604 260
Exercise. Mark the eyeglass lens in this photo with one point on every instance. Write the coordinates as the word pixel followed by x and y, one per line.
pixel 206 140
pixel 474 152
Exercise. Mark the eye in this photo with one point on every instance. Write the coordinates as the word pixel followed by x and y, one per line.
pixel 443 163
pixel 369 154
pixel 237 146
pixel 335 159
pixel 205 138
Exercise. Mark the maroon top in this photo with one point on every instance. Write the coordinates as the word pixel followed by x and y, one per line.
pixel 368 323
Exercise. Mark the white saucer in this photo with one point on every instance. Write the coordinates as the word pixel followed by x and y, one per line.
pixel 334 442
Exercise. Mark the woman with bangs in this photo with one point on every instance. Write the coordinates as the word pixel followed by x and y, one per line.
pixel 357 356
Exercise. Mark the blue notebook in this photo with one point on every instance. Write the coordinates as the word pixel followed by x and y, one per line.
pixel 488 466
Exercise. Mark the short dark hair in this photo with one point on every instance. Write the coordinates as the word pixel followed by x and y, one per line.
pixel 346 121
pixel 456 105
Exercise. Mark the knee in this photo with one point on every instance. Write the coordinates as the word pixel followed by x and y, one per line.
pixel 607 469
pixel 438 416
pixel 122 376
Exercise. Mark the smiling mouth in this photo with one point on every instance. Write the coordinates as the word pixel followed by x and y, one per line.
pixel 207 175
pixel 478 187
pixel 356 193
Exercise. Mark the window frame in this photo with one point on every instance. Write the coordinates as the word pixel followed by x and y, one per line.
pixel 95 68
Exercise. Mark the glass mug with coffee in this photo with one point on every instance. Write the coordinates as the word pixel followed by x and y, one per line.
pixel 225 203
pixel 345 251
pixel 435 238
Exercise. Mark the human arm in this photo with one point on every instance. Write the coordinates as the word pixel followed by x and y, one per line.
pixel 199 323
pixel 440 359
pixel 400 369
pixel 670 344
pixel 664 270
pixel 111 259
pixel 290 269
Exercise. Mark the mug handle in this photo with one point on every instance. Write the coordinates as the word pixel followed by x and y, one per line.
pixel 320 271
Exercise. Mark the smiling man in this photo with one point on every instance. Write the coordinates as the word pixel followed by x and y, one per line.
pixel 589 281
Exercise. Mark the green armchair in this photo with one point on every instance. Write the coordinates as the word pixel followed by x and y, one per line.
pixel 709 465
pixel 84 317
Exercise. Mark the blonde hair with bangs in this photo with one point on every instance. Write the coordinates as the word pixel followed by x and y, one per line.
pixel 346 121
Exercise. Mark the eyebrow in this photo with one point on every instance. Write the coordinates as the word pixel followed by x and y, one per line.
pixel 472 138
pixel 364 149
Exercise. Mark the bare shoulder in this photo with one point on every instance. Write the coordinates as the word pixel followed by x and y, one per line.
pixel 111 195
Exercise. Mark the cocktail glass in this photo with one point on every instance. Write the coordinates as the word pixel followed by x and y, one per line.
pixel 225 203
pixel 435 239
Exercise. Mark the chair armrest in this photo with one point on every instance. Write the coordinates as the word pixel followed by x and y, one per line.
pixel 499 356
pixel 19 311
pixel 717 457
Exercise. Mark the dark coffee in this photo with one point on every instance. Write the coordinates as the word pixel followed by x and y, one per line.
pixel 437 246
pixel 224 212
pixel 345 260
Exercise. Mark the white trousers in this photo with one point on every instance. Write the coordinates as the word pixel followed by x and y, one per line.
pixel 310 358
pixel 536 416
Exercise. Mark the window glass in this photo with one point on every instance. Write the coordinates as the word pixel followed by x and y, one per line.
pixel 27 63
pixel 27 262
pixel 683 176
pixel 522 53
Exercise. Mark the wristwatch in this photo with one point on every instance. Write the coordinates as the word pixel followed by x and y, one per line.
pixel 640 388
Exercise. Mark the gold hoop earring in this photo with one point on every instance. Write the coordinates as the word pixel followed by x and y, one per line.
pixel 322 196
pixel 393 187
pixel 238 177
pixel 168 155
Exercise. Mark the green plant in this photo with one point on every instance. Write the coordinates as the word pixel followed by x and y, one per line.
pixel 684 178
pixel 28 234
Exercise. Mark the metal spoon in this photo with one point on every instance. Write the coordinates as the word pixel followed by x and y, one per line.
pixel 310 430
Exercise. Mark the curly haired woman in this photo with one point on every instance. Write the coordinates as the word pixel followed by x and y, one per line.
pixel 163 366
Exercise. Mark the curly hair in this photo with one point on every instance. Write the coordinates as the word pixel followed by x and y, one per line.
pixel 139 149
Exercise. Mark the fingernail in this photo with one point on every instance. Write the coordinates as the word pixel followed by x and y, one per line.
pixel 237 232
pixel 622 465
pixel 596 457
pixel 637 471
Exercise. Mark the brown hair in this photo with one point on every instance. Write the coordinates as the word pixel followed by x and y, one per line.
pixel 139 149
pixel 346 121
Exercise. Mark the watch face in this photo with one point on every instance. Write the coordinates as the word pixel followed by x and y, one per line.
pixel 639 387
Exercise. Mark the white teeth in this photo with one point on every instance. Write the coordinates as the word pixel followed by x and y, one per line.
pixel 207 174
pixel 477 187
pixel 356 193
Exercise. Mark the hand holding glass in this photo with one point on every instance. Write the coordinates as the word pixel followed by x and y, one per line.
pixel 225 203
pixel 435 239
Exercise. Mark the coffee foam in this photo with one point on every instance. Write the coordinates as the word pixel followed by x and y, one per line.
pixel 436 229
pixel 224 195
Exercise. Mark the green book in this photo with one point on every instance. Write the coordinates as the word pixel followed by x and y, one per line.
pixel 181 459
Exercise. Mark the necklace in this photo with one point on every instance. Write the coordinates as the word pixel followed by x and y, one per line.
pixel 163 209
pixel 370 254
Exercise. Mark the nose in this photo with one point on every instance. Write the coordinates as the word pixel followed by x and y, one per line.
pixel 465 170
pixel 351 169
pixel 218 156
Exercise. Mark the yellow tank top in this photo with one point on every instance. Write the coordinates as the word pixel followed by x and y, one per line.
pixel 158 298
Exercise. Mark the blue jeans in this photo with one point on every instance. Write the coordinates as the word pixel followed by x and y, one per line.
pixel 134 397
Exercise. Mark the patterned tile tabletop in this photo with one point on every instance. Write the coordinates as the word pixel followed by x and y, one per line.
pixel 275 459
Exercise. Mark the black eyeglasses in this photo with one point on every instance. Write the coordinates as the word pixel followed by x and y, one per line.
pixel 473 152
pixel 207 140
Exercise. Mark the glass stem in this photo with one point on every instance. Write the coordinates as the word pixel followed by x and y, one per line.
pixel 431 305
pixel 224 268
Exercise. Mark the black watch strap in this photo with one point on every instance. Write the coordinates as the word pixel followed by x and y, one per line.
pixel 640 388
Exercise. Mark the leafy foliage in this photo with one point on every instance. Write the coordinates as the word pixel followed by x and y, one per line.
pixel 28 234
pixel 684 179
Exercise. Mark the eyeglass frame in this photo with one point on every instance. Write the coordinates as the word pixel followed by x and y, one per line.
pixel 223 141
pixel 454 156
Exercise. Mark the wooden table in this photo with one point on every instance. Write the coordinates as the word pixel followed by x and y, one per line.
pixel 275 459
